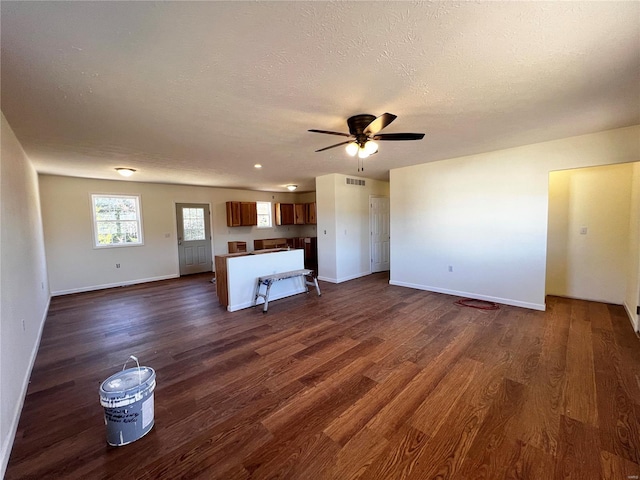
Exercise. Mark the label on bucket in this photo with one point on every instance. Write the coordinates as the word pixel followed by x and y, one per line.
pixel 147 411
pixel 121 415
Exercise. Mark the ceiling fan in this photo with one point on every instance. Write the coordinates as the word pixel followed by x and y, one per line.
pixel 363 133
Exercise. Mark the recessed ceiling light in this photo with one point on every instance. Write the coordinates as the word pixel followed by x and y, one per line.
pixel 125 172
pixel 291 188
pixel 257 165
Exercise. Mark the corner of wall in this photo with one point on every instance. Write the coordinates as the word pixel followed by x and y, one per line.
pixel 24 296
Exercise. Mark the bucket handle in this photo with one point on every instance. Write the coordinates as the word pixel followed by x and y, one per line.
pixel 133 357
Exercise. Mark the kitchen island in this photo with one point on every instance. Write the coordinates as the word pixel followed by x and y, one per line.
pixel 237 275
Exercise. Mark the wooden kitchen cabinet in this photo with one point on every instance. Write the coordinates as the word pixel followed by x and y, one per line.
pixel 310 247
pixel 299 210
pixel 285 214
pixel 310 213
pixel 265 243
pixel 248 213
pixel 233 214
pixel 242 214
pixel 235 247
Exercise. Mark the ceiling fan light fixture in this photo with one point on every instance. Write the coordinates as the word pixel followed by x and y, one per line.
pixel 352 149
pixel 371 147
pixel 291 188
pixel 362 129
pixel 125 172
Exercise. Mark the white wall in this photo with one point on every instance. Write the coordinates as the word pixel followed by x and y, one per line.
pixel 486 216
pixel 24 290
pixel 326 212
pixel 344 250
pixel 632 296
pixel 588 237
pixel 74 265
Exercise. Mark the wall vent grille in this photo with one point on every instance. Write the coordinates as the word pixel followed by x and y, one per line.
pixel 355 181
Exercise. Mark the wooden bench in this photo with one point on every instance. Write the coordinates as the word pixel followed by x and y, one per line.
pixel 268 280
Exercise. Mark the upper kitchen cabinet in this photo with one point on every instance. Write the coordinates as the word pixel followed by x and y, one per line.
pixel 310 213
pixel 242 214
pixel 248 213
pixel 285 214
pixel 295 213
pixel 299 210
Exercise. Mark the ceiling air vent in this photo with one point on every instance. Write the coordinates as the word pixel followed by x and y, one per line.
pixel 355 181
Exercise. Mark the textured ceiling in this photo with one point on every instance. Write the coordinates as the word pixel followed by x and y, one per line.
pixel 198 92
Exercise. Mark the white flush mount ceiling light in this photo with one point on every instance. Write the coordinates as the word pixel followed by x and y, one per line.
pixel 125 172
pixel 291 188
pixel 257 165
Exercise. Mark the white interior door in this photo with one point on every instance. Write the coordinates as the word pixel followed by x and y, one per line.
pixel 380 236
pixel 194 238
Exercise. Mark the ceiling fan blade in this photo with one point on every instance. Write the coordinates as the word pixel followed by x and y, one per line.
pixel 379 123
pixel 333 146
pixel 399 136
pixel 331 133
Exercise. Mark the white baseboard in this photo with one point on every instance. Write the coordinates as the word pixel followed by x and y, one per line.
pixel 328 279
pixel 344 279
pixel 504 301
pixel 112 285
pixel 13 429
pixel 633 318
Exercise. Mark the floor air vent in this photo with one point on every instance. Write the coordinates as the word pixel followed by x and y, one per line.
pixel 355 181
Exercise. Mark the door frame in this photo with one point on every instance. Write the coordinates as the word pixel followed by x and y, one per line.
pixel 175 232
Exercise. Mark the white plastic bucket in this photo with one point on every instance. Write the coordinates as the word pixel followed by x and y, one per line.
pixel 127 398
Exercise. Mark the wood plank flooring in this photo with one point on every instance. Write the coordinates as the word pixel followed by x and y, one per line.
pixel 369 381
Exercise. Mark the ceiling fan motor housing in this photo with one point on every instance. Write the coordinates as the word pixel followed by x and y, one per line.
pixel 357 124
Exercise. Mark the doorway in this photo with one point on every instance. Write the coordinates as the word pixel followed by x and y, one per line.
pixel 379 222
pixel 590 240
pixel 194 238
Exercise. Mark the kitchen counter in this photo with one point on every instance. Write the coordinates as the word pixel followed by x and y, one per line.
pixel 237 274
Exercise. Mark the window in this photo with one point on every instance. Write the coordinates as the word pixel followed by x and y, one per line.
pixel 264 214
pixel 117 220
pixel 193 224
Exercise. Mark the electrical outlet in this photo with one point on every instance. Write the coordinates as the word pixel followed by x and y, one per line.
pixel 450 268
pixel 117 265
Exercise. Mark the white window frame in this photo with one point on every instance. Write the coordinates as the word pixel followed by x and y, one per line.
pixel 137 198
pixel 263 214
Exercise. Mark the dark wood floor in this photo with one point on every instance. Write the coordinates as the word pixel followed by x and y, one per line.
pixel 368 381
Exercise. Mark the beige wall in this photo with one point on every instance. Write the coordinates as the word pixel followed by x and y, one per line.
pixel 344 250
pixel 486 216
pixel 74 265
pixel 632 295
pixel 588 238
pixel 24 289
